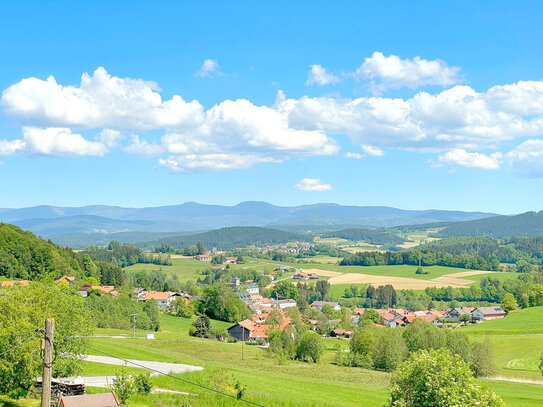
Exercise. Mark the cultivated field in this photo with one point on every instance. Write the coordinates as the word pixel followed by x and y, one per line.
pixel 398 282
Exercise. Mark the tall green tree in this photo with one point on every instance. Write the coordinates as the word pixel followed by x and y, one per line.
pixel 22 311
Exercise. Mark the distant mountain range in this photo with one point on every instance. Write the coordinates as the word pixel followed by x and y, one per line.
pixel 192 217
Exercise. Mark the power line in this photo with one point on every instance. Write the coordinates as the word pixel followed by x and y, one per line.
pixel 177 378
pixel 19 345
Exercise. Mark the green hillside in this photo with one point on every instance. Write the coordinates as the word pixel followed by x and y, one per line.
pixel 521 322
pixel 23 255
pixel 232 237
pixel 529 224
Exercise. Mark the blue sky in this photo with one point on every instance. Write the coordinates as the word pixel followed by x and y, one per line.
pixel 435 107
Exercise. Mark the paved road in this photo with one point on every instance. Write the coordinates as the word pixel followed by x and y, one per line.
pixel 158 366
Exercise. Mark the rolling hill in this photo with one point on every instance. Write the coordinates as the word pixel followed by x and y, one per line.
pixel 194 217
pixel 529 224
pixel 232 237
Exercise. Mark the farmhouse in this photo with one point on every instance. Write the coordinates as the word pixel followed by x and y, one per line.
pixel 486 313
pixel 300 276
pixel 164 299
pixel 203 257
pixel 454 314
pixel 248 330
pixel 232 260
pixel 319 304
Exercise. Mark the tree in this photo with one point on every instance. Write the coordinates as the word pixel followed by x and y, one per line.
pixel 372 315
pixel 201 248
pixel 220 302
pixel 281 344
pixel 465 318
pixel 183 310
pixel 284 289
pixel 275 318
pixel 435 378
pixel 386 296
pixel 200 327
pixel 482 359
pixel 509 302
pixel 22 311
pixel 388 350
pixel 361 342
pixel 309 347
pixel 322 287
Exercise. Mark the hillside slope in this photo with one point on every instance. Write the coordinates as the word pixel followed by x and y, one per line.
pixel 232 237
pixel 529 224
pixel 25 256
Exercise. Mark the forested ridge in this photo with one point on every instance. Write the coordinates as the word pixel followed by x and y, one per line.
pixel 23 255
pixel 232 237
pixel 505 250
pixel 529 224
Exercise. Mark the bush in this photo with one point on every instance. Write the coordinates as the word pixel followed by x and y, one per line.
pixel 438 378
pixel 388 349
pixel 183 310
pixel 142 383
pixel 123 385
pixel 482 359
pixel 310 347
pixel 200 328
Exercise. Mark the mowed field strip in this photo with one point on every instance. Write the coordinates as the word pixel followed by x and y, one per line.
pixel 399 283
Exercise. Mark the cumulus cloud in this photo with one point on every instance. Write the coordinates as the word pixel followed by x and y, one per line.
pixel 526 160
pixel 392 72
pixel 318 75
pixel 100 101
pixel 238 133
pixel 462 158
pixel 356 156
pixel 312 185
pixel 53 141
pixel 210 69
pixel 458 117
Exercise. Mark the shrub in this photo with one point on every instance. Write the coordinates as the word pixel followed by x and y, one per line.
pixel 437 378
pixel 142 383
pixel 310 347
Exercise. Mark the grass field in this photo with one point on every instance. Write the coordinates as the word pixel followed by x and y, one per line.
pixel 270 382
pixel 517 342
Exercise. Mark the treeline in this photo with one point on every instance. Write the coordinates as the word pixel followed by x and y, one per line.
pixel 230 238
pixel 124 254
pixel 385 349
pixel 117 312
pixel 506 250
pixel 23 255
pixel 371 236
pixel 426 257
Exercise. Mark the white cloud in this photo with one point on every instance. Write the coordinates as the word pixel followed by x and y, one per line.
pixel 101 100
pixel 526 160
pixel 373 151
pixel 312 185
pixel 52 141
pixel 210 69
pixel 462 158
pixel 458 117
pixel 236 134
pixel 318 75
pixel 110 138
pixel 356 156
pixel 11 147
pixel 392 72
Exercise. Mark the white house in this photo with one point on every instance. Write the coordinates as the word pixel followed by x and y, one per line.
pixel 486 313
pixel 252 289
pixel 282 304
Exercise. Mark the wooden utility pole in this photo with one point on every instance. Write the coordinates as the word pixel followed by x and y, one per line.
pixel 47 362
